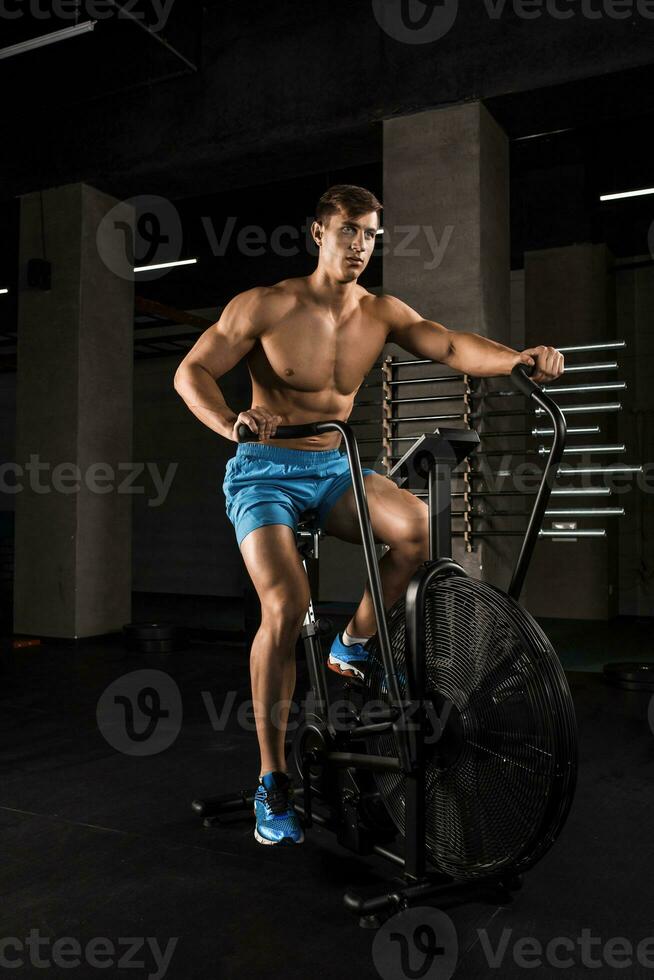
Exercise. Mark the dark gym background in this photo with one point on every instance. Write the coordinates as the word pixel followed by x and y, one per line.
pixel 240 115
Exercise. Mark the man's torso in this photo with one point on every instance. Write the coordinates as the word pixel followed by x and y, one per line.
pixel 309 363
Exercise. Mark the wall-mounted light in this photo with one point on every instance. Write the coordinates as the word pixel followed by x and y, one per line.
pixel 164 265
pixel 616 197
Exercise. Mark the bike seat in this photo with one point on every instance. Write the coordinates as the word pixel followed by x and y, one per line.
pixel 308 520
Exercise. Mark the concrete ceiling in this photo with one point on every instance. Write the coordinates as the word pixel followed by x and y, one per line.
pixel 284 88
pixel 250 111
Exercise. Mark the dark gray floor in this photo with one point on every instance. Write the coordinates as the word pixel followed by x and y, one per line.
pixel 97 843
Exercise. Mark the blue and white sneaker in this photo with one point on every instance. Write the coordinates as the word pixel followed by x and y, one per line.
pixel 349 661
pixel 276 820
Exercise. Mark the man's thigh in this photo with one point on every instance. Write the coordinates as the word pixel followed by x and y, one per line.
pixel 396 515
pixel 275 567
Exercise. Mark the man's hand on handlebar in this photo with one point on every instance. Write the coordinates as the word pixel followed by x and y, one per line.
pixel 547 363
pixel 260 420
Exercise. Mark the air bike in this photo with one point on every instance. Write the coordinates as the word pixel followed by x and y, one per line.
pixel 456 760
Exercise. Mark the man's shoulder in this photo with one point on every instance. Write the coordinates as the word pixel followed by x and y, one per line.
pixel 292 287
pixel 276 293
pixel 261 299
pixel 383 305
pixel 253 295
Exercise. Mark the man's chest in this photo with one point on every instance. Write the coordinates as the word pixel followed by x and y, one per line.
pixel 312 354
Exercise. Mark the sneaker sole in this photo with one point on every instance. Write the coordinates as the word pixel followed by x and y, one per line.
pixel 344 669
pixel 286 841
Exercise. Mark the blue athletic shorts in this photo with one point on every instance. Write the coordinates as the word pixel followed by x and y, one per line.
pixel 266 484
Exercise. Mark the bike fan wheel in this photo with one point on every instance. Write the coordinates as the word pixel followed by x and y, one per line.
pixel 501 776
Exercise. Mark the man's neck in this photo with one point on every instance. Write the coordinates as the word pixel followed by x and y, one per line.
pixel 333 293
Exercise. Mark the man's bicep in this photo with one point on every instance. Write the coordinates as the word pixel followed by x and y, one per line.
pixel 218 350
pixel 424 338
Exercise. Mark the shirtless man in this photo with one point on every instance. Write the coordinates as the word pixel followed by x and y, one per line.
pixel 309 344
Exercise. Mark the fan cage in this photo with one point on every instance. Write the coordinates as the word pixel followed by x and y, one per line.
pixel 500 779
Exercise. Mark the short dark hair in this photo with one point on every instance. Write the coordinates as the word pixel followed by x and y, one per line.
pixel 354 200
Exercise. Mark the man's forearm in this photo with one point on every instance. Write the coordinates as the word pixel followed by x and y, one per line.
pixel 205 399
pixel 479 356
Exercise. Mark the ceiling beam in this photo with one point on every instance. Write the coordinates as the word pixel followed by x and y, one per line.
pixel 152 308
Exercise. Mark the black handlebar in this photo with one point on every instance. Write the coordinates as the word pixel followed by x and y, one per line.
pixel 524 384
pixel 245 433
pixel 521 378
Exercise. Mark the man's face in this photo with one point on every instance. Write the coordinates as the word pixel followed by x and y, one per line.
pixel 347 243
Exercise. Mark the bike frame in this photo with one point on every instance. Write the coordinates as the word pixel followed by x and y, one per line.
pixel 406 717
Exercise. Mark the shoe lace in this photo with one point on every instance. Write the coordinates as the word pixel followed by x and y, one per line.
pixel 278 799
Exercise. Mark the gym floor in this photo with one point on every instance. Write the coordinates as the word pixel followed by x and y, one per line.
pixel 99 843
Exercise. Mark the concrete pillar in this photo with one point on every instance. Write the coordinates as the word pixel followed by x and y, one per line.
pixel 74 417
pixel 570 300
pixel 446 184
pixel 446 221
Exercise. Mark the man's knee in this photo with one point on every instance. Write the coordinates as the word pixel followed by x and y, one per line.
pixel 411 537
pixel 286 609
